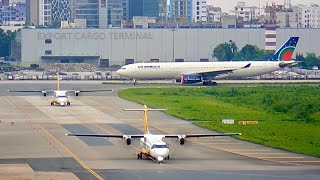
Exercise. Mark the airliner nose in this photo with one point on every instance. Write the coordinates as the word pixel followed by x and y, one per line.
pixel 119 72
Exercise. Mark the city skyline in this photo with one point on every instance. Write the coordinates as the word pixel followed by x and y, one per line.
pixel 226 7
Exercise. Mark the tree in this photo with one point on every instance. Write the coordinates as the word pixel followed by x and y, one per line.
pixel 223 52
pixel 233 46
pixel 311 60
pixel 249 52
pixel 5 40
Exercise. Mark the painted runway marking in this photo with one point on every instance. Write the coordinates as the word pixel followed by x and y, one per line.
pixel 262 153
pixel 286 157
pixel 304 161
pixel 82 164
pixel 262 150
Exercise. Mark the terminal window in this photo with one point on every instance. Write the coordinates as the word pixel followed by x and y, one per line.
pixel 179 60
pixel 47 52
pixel 204 60
pixel 129 61
pixel 48 41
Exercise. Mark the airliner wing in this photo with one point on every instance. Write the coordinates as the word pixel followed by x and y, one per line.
pixel 107 135
pixel 40 91
pixel 220 71
pixel 201 135
pixel 95 90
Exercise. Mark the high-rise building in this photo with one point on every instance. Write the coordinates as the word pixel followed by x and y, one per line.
pixel 135 8
pixel 315 16
pixel 213 13
pixel 163 11
pixel 248 13
pixel 14 14
pixel 32 12
pixel 93 11
pixel 60 11
pixel 88 10
pixel 45 12
pixel 149 8
pixel 5 2
pixel 117 12
pixel 199 11
pixel 52 12
pixel 181 10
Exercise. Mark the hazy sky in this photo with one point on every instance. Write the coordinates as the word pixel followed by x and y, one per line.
pixel 228 5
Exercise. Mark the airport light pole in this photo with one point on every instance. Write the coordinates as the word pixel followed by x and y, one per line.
pixel 173 30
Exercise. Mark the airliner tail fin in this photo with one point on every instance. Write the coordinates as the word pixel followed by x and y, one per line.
pixel 286 51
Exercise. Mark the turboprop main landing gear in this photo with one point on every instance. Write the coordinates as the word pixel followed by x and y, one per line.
pixel 139 155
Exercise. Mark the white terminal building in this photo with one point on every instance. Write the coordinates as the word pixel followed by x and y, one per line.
pixel 117 47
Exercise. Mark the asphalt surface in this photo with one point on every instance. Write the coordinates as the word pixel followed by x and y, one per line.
pixel 34 145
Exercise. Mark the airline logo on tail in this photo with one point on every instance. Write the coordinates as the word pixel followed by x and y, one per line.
pixel 285 53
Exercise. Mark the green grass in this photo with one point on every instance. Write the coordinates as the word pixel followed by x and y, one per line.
pixel 289 117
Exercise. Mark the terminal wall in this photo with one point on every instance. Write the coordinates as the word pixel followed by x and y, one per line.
pixel 120 46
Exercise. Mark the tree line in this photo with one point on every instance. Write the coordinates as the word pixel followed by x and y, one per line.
pixel 228 51
pixel 5 40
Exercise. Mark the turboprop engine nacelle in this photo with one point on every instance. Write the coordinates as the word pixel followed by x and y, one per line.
pixel 76 93
pixel 182 139
pixel 127 139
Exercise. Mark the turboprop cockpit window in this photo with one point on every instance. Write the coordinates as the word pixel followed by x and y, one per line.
pixel 62 97
pixel 159 146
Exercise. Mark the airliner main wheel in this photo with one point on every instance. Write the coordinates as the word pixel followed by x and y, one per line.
pixel 52 103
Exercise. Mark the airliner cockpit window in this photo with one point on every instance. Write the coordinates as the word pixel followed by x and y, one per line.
pixel 123 68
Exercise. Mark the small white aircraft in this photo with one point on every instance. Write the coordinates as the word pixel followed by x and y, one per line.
pixel 60 96
pixel 205 72
pixel 152 145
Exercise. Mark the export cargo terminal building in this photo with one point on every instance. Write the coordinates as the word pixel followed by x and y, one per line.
pixel 117 47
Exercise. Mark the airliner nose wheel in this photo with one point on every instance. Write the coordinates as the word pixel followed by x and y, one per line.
pixel 68 103
pixel 52 103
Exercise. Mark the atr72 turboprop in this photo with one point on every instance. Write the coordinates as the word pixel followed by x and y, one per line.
pixel 60 96
pixel 208 71
pixel 152 145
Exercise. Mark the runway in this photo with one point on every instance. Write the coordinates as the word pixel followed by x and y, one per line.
pixel 34 145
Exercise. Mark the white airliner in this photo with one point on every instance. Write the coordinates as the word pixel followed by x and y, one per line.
pixel 60 96
pixel 152 145
pixel 208 71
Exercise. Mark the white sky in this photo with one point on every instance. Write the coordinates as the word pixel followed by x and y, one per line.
pixel 228 5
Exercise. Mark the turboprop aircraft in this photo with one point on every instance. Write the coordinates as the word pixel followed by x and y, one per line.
pixel 152 145
pixel 60 96
pixel 205 72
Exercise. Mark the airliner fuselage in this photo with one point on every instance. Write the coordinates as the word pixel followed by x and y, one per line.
pixel 209 70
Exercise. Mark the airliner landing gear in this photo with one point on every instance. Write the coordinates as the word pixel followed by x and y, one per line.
pixel 68 103
pixel 135 82
pixel 52 103
pixel 139 155
pixel 209 83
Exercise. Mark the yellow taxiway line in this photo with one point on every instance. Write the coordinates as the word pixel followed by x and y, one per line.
pixel 82 164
